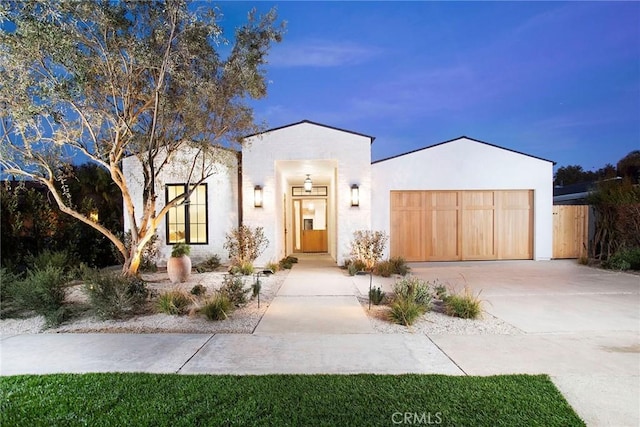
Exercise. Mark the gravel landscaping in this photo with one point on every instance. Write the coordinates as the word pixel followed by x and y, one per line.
pixel 245 319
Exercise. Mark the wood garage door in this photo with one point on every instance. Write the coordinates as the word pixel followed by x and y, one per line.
pixel 462 225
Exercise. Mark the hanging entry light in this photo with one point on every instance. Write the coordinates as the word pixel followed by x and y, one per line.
pixel 308 185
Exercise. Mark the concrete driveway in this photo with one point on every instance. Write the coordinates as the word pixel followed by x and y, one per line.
pixel 581 326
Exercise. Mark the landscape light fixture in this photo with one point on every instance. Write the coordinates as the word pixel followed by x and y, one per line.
pixel 355 195
pixel 257 196
pixel 308 185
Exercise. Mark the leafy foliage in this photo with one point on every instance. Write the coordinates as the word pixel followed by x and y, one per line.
pixel 43 291
pixel 405 311
pixel 412 298
pixel 233 288
pixel 210 264
pixel 180 249
pixel 624 259
pixel 245 244
pixel 287 263
pixel 114 296
pixel 376 295
pixel 368 246
pixel 198 290
pixel 123 79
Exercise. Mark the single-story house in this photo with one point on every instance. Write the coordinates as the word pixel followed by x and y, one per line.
pixel 310 186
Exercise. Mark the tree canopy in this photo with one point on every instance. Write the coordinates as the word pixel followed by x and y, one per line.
pixel 627 167
pixel 106 80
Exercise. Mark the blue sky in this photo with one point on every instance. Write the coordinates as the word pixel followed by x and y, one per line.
pixel 552 79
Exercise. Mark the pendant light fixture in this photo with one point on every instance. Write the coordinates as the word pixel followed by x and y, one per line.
pixel 308 185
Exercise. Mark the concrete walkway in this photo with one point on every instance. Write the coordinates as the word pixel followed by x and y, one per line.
pixel 580 325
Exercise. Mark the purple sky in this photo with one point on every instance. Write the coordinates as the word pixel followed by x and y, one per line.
pixel 556 80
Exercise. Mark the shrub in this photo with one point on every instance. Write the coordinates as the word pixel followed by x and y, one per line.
pixel 256 287
pixel 441 292
pixel 376 295
pixel 180 249
pixel 465 305
pixel 273 266
pixel 198 290
pixel 47 258
pixel 210 264
pixel 287 262
pixel 173 302
pixel 8 282
pixel 355 266
pixel 245 269
pixel 368 246
pixel 233 288
pixel 245 244
pixel 217 307
pixel 114 296
pixel 384 269
pixel 399 265
pixel 405 311
pixel 43 291
pixel 625 259
pixel 413 289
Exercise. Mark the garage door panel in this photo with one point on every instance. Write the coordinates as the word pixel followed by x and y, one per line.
pixel 457 225
pixel 443 240
pixel 478 234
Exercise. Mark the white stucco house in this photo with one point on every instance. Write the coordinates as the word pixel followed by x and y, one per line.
pixel 310 186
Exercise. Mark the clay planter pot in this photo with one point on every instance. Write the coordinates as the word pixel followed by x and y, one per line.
pixel 179 269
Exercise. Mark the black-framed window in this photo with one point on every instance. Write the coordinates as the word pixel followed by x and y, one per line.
pixel 188 221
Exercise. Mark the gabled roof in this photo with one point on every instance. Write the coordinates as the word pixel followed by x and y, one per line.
pixel 315 124
pixel 456 139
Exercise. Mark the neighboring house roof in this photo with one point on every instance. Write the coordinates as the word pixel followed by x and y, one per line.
pixel 456 139
pixel 315 124
pixel 577 192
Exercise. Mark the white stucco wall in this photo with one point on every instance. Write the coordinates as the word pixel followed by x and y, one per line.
pixel 464 164
pixel 339 159
pixel 222 198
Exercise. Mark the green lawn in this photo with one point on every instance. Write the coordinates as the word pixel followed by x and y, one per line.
pixel 279 400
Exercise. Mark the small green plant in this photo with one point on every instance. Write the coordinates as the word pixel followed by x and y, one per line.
pixel 441 292
pixel 624 259
pixel 43 291
pixel 244 269
pixel 355 266
pixel 233 288
pixel 405 311
pixel 217 307
pixel 376 295
pixel 256 287
pixel 465 305
pixel 114 296
pixel 583 260
pixel 180 249
pixel 210 264
pixel 399 266
pixel 273 266
pixel 287 262
pixel 414 289
pixel 173 302
pixel 198 290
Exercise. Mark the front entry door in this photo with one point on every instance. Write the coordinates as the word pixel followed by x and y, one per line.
pixel 311 225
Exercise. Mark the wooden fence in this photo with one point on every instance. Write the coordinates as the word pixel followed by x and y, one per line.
pixel 570 231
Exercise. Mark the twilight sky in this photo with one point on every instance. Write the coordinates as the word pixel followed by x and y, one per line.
pixel 552 79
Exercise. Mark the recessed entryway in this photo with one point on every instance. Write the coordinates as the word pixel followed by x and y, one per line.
pixel 310 225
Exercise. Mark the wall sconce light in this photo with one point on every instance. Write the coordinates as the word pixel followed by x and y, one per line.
pixel 308 185
pixel 355 195
pixel 257 196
